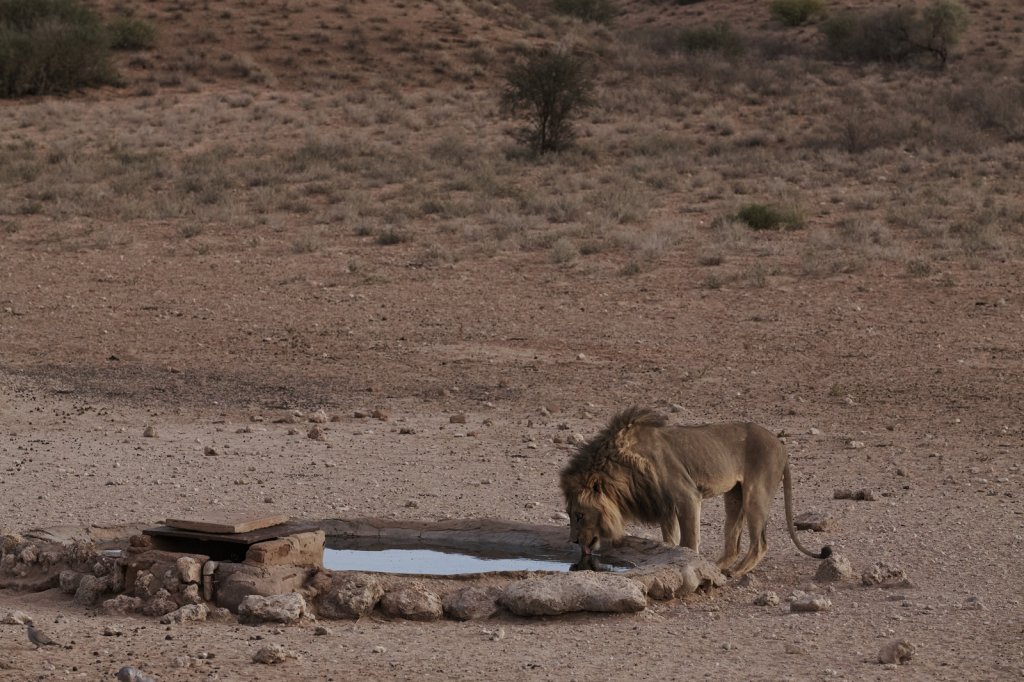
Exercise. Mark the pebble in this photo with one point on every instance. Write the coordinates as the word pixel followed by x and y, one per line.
pixel 380 649
pixel 897 652
pixel 412 504
pixel 316 433
pixel 112 631
pixel 321 630
pixel 210 451
pixel 766 599
pixel 796 649
pixel 318 417
pixel 181 662
pixel 381 415
pixel 813 521
pixel 855 444
pixel 560 516
pixel 847 494
pixel 809 603
pixel 457 419
pixel 149 432
pixel 974 604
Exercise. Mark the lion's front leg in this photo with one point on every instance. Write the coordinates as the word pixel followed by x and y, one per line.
pixel 689 523
pixel 670 530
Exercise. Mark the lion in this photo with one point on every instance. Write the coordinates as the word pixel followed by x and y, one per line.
pixel 642 469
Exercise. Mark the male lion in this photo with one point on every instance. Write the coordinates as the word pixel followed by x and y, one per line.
pixel 641 469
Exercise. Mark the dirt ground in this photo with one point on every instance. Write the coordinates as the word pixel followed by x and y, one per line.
pixel 903 375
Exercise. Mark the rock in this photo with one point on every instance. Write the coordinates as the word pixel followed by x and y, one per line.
pixel 352 596
pixel 149 432
pixel 181 662
pixel 89 590
pixel 457 419
pixel 122 604
pixel 69 581
pixel 220 615
pixel 814 432
pixel 884 574
pixel 974 604
pixel 412 504
pixel 495 635
pixel 190 570
pixel 211 451
pixel 380 649
pixel 813 521
pixel 113 631
pixel 795 649
pixel 273 654
pixel 318 417
pixel 189 613
pixel 809 603
pixel 560 516
pixel 190 595
pixel 381 415
pixel 131 674
pixel 316 433
pixel 834 569
pixel 161 603
pixel 278 608
pixel 321 630
pixel 472 603
pixel 412 603
pixel 551 595
pixel 847 494
pixel 854 444
pixel 15 618
pixel 898 652
pixel 767 599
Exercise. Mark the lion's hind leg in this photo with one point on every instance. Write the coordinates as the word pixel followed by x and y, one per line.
pixel 755 509
pixel 733 527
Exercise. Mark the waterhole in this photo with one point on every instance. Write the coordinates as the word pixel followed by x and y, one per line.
pixel 385 556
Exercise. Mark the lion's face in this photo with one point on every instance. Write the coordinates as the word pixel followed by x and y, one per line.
pixel 593 516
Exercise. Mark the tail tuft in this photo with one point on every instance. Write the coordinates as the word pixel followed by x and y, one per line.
pixel 826 552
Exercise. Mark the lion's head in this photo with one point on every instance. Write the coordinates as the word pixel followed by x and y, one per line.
pixel 606 482
pixel 592 514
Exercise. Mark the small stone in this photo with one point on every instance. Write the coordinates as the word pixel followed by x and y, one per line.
pixel 268 499
pixel 149 432
pixel 809 604
pixel 278 608
pixel 766 599
pixel 113 631
pixel 381 415
pixel 181 662
pixel 321 630
pixel 122 604
pixel 795 649
pixel 531 505
pixel 412 504
pixel 728 646
pixel 898 652
pixel 854 444
pixel 813 521
pixel 210 451
pixel 884 574
pixel 316 433
pixel 15 618
pixel 318 417
pixel 847 494
pixel 273 654
pixel 815 432
pixel 834 569
pixel 974 604
pixel 380 649
pixel 458 419
pixel 560 516
pixel 412 603
pixel 190 613
pixel 407 431
pixel 359 414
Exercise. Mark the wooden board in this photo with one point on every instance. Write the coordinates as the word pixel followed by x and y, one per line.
pixel 228 523
pixel 247 538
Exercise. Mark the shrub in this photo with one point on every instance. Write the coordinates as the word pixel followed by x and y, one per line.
pixel 796 12
pixel 601 11
pixel 770 217
pixel 51 46
pixel 717 37
pixel 131 34
pixel 898 33
pixel 549 89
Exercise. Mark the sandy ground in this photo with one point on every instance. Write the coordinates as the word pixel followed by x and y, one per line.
pixel 148 279
pixel 914 392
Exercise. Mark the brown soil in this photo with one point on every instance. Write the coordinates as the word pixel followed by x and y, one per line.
pixel 215 323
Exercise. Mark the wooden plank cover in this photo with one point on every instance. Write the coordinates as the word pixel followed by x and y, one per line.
pixel 249 538
pixel 228 523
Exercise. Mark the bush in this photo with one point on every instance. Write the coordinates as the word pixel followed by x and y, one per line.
pixel 770 217
pixel 131 34
pixel 898 33
pixel 50 46
pixel 718 37
pixel 796 12
pixel 548 90
pixel 601 11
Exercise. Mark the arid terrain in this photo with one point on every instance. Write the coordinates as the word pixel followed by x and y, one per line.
pixel 304 205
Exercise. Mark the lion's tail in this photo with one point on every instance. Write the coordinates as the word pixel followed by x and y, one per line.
pixel 787 491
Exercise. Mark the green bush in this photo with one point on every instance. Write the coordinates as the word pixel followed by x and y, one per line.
pixel 131 34
pixel 601 11
pixel 896 34
pixel 770 217
pixel 548 90
pixel 51 46
pixel 796 12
